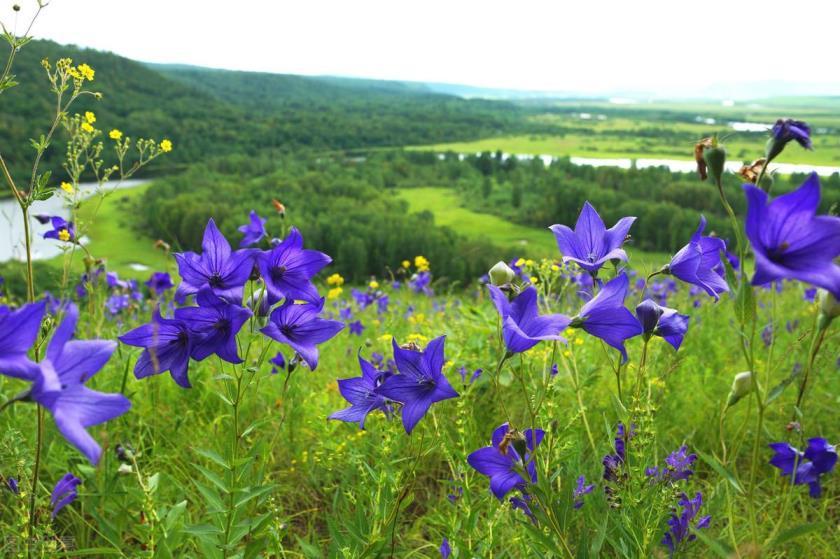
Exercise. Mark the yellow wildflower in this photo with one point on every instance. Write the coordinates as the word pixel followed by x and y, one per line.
pixel 90 117
pixel 567 354
pixel 421 263
pixel 570 332
pixel 334 293
pixel 86 72
pixel 519 262
pixel 534 280
pixel 406 264
pixel 67 187
pixel 419 338
pixel 335 279
pixel 578 341
pixel 374 284
pixel 385 338
pixel 87 127
pixel 555 268
pixel 529 262
pixel 165 146
pixel 115 134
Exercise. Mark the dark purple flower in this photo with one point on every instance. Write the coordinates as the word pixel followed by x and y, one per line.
pixel 591 244
pixel 18 332
pixel 810 294
pixel 116 303
pixel 382 304
pixel 278 363
pixel 159 283
pixel 64 493
pixel 581 489
pixel 503 464
pixel 474 377
pixel 790 241
pixel 818 459
pixel 60 387
pixel 605 316
pixel 362 395
pixel 167 346
pixel 523 503
pixel 445 550
pixel 356 328
pixel 61 230
pixel 253 231
pixel 12 484
pixel 679 526
pixel 522 327
pixel 300 327
pixel 421 381
pixel 662 321
pixel 225 272
pixel 213 326
pixel 677 467
pixel 784 131
pixel 419 283
pixel 288 268
pixel 113 281
pixel 699 263
pixel 345 314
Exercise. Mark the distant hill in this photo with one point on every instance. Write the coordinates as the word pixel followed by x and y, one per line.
pixel 210 112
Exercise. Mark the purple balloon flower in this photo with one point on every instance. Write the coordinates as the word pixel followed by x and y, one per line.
pixel 356 327
pixel 218 268
pixel 253 231
pixel 167 346
pixel 784 131
pixel 522 327
pixel 60 387
pixel 699 263
pixel 159 283
pixel 445 549
pixel 288 268
pixel 300 327
pixel 421 381
pixel 662 321
pixel 818 459
pixel 591 244
pixel 605 316
pixel 503 464
pixel 362 395
pixel 790 241
pixel 62 230
pixel 679 526
pixel 18 331
pixel 64 493
pixel 213 326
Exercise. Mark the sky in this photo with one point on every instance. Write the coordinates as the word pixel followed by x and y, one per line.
pixel 590 46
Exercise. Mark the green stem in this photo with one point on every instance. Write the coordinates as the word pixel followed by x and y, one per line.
pixel 234 452
pixel 816 341
pixel 30 534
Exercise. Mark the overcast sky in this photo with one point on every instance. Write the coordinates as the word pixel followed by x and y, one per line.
pixel 561 45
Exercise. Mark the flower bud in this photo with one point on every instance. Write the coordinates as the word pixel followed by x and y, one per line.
pixel 16 7
pixel 829 308
pixel 741 386
pixel 715 158
pixel 125 469
pixel 501 274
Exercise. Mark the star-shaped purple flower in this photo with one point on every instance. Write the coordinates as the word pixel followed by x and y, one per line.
pixel 213 326
pixel 300 327
pixel 503 464
pixel 790 241
pixel 679 526
pixel 288 268
pixel 159 283
pixel 522 327
pixel 18 331
pixel 591 244
pixel 218 268
pixel 59 386
pixel 818 459
pixel 699 262
pixel 167 346
pixel 253 231
pixel 605 316
pixel 783 132
pixel 362 395
pixel 62 230
pixel 664 322
pixel 421 381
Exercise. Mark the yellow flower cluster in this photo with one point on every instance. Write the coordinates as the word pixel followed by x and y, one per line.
pixel 336 280
pixel 115 134
pixel 421 263
pixel 87 127
pixel 417 338
pixel 165 146
pixel 406 264
pixel 334 293
pixel 373 284
pixel 67 187
pixel 81 72
pixel 90 117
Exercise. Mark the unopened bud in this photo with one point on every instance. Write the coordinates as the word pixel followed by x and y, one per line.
pixel 125 469
pixel 829 305
pixel 741 386
pixel 501 274
pixel 715 158
pixel 16 7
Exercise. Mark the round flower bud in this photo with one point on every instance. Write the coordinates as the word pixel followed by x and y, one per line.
pixel 741 386
pixel 715 158
pixel 125 469
pixel 829 308
pixel 501 274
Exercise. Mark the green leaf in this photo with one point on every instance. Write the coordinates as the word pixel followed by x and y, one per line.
pixel 777 390
pixel 213 477
pixel 719 468
pixel 719 548
pixel 214 456
pixel 211 497
pixel 797 531
pixel 174 515
pixel 254 492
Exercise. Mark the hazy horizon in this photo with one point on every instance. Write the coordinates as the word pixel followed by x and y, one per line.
pixel 577 47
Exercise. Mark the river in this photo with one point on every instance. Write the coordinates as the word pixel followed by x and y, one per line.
pixel 11 222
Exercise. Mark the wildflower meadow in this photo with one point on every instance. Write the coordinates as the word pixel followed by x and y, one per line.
pixel 246 400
